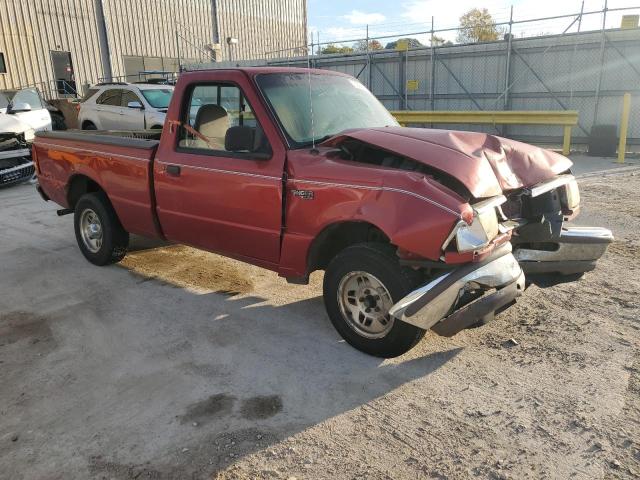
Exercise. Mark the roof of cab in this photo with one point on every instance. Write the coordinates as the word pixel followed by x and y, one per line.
pixel 253 71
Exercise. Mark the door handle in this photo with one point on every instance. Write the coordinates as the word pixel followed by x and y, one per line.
pixel 173 170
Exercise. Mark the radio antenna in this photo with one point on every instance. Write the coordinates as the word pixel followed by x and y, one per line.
pixel 313 133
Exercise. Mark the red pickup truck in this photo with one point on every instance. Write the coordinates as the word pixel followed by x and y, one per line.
pixel 300 170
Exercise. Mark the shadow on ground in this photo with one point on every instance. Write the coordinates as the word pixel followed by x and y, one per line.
pixel 150 380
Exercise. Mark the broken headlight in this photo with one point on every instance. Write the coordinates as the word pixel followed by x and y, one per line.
pixel 571 195
pixel 483 228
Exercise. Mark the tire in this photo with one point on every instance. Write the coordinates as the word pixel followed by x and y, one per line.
pixel 95 209
pixel 57 122
pixel 373 265
pixel 89 126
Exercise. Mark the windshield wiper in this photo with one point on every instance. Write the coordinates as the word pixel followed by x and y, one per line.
pixel 317 140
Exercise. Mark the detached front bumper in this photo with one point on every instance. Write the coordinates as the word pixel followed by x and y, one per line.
pixel 465 296
pixel 576 251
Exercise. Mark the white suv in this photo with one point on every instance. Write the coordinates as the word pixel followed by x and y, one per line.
pixel 124 106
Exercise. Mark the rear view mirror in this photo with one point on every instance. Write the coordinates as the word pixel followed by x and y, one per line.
pixel 20 107
pixel 135 104
pixel 240 139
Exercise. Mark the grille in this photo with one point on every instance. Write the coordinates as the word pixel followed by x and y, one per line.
pixel 16 174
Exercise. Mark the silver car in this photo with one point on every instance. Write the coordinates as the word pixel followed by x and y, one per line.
pixel 124 106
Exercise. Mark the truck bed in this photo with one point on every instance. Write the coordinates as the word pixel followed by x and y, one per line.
pixel 121 163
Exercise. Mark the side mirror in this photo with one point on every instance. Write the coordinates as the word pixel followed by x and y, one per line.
pixel 20 107
pixel 135 104
pixel 240 139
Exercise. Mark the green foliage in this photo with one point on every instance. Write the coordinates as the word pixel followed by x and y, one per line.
pixel 331 48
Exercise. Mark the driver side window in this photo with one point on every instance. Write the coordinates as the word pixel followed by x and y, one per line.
pixel 218 120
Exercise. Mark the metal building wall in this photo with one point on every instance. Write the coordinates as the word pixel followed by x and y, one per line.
pixel 30 30
pixel 261 26
pixel 158 28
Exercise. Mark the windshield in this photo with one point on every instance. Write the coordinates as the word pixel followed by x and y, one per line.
pixel 338 102
pixel 158 97
pixel 5 98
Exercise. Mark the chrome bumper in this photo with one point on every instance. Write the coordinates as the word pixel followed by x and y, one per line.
pixel 576 251
pixel 436 304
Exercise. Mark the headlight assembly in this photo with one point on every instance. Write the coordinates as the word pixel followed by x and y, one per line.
pixel 29 135
pixel 571 196
pixel 483 228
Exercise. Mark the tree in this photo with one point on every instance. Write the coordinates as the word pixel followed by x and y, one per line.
pixel 361 46
pixel 437 41
pixel 411 42
pixel 477 25
pixel 331 48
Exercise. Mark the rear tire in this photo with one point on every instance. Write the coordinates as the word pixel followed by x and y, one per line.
pixel 89 126
pixel 360 285
pixel 99 233
pixel 57 122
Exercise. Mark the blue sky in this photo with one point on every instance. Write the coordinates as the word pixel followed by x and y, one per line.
pixel 342 20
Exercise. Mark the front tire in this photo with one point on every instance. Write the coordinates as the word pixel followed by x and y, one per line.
pixel 360 285
pixel 99 234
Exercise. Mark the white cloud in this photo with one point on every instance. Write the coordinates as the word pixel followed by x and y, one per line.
pixel 356 17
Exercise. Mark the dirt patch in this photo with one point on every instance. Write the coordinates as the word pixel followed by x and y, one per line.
pixel 187 267
pixel 213 407
pixel 261 407
pixel 625 248
pixel 16 326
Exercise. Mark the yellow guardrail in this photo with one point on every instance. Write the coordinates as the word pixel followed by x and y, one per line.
pixel 566 119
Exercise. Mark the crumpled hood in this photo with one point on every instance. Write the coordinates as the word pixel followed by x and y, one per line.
pixel 11 124
pixel 486 164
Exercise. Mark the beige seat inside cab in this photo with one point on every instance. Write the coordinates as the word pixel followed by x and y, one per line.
pixel 212 122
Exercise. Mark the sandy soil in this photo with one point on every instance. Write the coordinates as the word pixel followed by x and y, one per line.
pixel 146 370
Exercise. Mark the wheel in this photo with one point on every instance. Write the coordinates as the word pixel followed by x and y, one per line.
pixel 89 126
pixel 99 233
pixel 360 285
pixel 57 122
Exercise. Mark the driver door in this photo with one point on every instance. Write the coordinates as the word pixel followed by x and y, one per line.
pixel 213 198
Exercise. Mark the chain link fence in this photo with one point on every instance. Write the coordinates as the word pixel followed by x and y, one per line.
pixel 587 71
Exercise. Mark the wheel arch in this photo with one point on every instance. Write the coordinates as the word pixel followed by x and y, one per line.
pixel 78 185
pixel 335 237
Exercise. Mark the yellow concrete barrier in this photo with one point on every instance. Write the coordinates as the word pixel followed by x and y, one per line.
pixel 566 119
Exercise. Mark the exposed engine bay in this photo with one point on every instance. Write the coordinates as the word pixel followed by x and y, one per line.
pixel 358 151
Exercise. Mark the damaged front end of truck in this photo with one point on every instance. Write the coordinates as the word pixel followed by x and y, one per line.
pixel 523 199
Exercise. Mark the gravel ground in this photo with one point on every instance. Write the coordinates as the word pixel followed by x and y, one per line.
pixel 183 364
